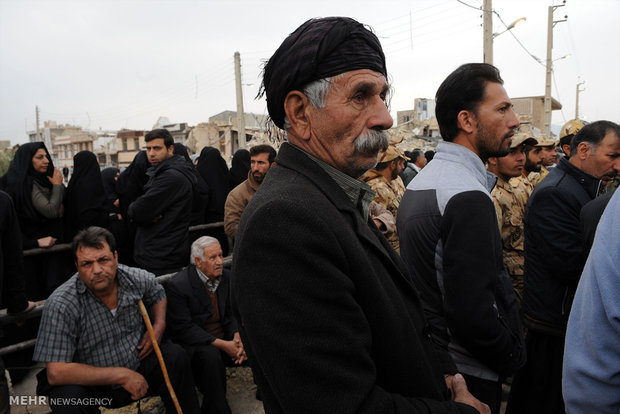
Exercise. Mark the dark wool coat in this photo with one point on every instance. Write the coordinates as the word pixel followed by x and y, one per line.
pixel 189 308
pixel 327 313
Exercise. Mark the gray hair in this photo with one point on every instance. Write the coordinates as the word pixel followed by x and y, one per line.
pixel 316 91
pixel 198 247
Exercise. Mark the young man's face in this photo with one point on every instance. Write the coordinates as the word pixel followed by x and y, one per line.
pixel 533 160
pixel 548 155
pixel 496 121
pixel 157 152
pixel 512 164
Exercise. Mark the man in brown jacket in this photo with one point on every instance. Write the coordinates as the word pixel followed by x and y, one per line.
pixel 261 159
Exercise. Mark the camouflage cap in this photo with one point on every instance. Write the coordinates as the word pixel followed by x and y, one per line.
pixel 546 142
pixel 391 153
pixel 521 138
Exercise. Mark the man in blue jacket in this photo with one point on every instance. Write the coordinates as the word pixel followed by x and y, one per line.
pixel 163 212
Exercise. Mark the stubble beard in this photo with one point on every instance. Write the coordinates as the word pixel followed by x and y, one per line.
pixel 489 146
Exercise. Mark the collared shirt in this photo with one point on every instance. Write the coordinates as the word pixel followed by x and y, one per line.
pixel 76 326
pixel 211 284
pixel 415 167
pixel 358 191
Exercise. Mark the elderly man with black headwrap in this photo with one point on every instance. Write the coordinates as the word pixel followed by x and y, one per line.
pixel 327 312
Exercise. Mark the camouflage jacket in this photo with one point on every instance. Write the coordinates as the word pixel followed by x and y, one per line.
pixel 389 194
pixel 524 183
pixel 510 199
pixel 536 177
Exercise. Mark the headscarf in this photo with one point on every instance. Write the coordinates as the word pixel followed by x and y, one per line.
pixel 214 171
pixel 108 176
pixel 180 149
pixel 319 48
pixel 131 181
pixel 85 197
pixel 20 177
pixel 240 165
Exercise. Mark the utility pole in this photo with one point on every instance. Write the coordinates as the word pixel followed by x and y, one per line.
pixel 550 24
pixel 36 110
pixel 577 97
pixel 240 113
pixel 487 31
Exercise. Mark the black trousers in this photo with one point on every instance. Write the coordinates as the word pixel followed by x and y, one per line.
pixel 537 386
pixel 209 369
pixel 67 398
pixel 489 392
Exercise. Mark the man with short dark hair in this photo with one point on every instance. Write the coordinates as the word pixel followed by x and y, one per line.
pixel 93 339
pixel 554 261
pixel 163 213
pixel 449 236
pixel 412 168
pixel 326 309
pixel 200 318
pixel 510 198
pixel 262 157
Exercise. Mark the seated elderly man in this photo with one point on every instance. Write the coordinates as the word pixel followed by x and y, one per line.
pixel 199 318
pixel 94 340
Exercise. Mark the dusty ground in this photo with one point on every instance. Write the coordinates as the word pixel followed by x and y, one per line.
pixel 241 396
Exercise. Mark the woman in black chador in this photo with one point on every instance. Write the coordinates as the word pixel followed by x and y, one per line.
pixel 37 192
pixel 85 197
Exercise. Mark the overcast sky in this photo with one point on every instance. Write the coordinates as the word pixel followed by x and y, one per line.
pixel 121 64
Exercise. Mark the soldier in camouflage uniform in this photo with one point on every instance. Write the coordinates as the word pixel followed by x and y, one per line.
pixel 533 164
pixel 389 187
pixel 547 158
pixel 510 197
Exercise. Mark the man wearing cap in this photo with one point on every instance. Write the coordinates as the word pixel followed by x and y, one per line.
pixel 533 164
pixel 385 181
pixel 547 160
pixel 449 236
pixel 329 317
pixel 567 133
pixel 554 261
pixel 510 198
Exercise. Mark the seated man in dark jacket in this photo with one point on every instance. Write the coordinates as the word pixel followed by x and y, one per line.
pixel 163 212
pixel 199 318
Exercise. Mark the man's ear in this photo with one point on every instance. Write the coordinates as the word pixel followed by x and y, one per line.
pixel 467 121
pixel 296 106
pixel 583 150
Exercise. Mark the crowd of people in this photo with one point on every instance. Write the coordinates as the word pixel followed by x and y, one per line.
pixel 365 279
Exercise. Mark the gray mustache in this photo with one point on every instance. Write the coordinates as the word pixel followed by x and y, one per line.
pixel 372 141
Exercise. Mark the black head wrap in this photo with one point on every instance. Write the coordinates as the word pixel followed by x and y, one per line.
pixel 239 167
pixel 214 171
pixel 318 49
pixel 85 196
pixel 180 149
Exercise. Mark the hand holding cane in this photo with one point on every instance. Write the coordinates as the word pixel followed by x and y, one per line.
pixel 160 358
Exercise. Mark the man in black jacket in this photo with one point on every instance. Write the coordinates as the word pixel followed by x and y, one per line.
pixel 554 262
pixel 199 317
pixel 163 212
pixel 326 309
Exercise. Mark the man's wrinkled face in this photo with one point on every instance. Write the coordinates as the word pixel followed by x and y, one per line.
pixel 157 152
pixel 496 122
pixel 97 267
pixel 350 131
pixel 213 264
pixel 259 164
pixel 603 162
pixel 533 160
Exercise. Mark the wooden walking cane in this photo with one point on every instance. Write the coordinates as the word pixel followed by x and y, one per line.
pixel 160 358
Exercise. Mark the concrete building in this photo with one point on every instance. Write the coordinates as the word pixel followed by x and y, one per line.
pixel 128 143
pixel 531 109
